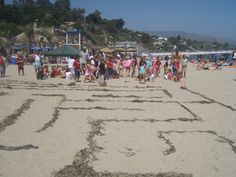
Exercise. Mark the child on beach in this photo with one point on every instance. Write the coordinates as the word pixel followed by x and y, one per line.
pixel 76 66
pixel 127 64
pixel 148 68
pixel 46 72
pixel 184 65
pixel 169 75
pixel 120 65
pixel 40 73
pixel 156 66
pixel 63 73
pixel 152 77
pixel 134 66
pixel 101 72
pixel 89 73
pixel 166 65
pixel 142 73
pixel 56 72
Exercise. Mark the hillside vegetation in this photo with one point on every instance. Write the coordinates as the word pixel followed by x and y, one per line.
pixel 20 15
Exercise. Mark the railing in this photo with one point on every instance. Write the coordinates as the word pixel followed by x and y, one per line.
pixel 190 53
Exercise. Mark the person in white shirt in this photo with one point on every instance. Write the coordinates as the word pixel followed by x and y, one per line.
pixel 184 65
pixel 70 64
pixel 83 59
pixel 234 55
pixel 68 75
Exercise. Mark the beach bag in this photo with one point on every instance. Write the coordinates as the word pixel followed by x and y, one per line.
pixel 102 79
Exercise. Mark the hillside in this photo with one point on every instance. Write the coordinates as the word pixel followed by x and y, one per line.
pixel 192 36
pixel 20 16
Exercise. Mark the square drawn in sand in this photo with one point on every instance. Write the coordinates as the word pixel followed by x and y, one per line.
pixel 137 148
pixel 158 111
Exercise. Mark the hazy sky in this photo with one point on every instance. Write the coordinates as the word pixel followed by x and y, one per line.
pixel 212 17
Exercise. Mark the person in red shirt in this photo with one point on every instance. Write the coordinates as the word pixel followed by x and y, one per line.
pixel 110 67
pixel 156 66
pixel 2 66
pixel 20 63
pixel 46 72
pixel 56 72
pixel 76 66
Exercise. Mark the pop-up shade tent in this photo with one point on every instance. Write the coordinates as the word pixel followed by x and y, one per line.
pixel 64 51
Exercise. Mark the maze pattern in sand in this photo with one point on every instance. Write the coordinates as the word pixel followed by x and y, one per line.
pixel 123 131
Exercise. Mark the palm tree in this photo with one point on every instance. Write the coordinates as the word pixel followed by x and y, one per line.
pixel 48 35
pixel 29 33
pixel 5 46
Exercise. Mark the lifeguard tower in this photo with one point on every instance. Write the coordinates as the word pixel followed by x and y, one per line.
pixel 73 38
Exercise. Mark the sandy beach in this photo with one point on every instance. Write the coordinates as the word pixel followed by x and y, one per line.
pixel 58 128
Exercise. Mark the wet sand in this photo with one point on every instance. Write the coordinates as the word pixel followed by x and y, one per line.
pixel 58 128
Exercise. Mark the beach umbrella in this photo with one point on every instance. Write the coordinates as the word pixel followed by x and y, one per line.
pixel 120 49
pixel 64 51
pixel 106 50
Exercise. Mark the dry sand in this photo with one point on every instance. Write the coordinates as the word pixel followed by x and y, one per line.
pixel 53 128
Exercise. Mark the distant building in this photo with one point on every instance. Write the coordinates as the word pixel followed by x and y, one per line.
pixel 162 39
pixel 124 44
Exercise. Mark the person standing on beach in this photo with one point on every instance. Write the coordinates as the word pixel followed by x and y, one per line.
pixel 70 65
pixel 76 66
pixel 148 66
pixel 142 70
pixel 37 64
pixel 184 65
pixel 120 65
pixel 175 62
pixel 234 57
pixel 166 64
pixel 20 63
pixel 2 66
pixel 101 72
pixel 134 66
pixel 83 60
pixel 156 67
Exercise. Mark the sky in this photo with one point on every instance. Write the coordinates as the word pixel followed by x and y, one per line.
pixel 216 18
pixel 211 17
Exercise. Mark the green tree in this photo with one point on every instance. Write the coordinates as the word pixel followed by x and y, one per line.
pixel 76 14
pixel 94 18
pixel 61 10
pixel 146 38
pixel 2 3
pixel 62 4
pixel 43 3
pixel 29 33
pixel 48 35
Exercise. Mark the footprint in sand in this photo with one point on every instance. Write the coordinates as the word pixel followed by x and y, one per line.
pixel 128 152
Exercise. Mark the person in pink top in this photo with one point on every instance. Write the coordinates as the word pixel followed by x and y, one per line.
pixel 127 64
pixel 89 73
pixel 156 66
pixel 120 65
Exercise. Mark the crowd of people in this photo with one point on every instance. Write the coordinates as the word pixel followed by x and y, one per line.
pixel 104 67
pixel 100 67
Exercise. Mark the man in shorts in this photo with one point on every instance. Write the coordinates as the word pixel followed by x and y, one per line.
pixel 84 56
pixel 20 63
pixel 76 66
